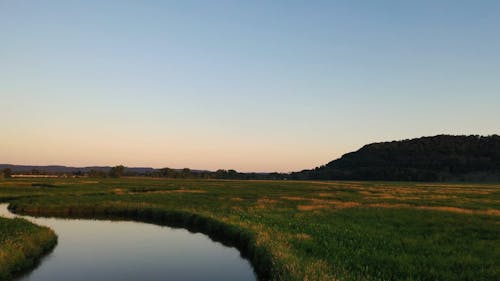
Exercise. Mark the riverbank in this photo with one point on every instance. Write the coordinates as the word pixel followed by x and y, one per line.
pixel 302 230
pixel 22 244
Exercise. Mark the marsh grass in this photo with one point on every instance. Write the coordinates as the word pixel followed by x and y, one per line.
pixel 303 230
pixel 21 245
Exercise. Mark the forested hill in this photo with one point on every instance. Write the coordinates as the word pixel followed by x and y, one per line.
pixel 437 158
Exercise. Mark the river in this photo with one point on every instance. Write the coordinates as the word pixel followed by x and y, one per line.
pixel 125 251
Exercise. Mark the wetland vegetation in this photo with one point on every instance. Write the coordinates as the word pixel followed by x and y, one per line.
pixel 301 230
pixel 22 243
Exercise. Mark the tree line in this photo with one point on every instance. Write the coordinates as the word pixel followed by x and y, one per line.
pixel 437 158
pixel 123 171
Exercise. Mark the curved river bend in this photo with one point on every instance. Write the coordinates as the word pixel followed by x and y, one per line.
pixel 125 251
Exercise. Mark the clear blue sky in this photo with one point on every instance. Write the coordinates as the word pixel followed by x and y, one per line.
pixel 248 85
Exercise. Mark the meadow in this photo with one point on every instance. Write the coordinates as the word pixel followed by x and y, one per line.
pixel 298 230
pixel 21 244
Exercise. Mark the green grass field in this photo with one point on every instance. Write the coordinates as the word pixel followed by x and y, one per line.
pixel 21 244
pixel 301 230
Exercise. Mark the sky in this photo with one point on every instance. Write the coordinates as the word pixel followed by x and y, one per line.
pixel 246 85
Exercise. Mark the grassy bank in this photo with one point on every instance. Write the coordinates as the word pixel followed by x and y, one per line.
pixel 21 245
pixel 303 230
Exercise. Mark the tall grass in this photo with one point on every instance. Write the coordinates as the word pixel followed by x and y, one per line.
pixel 304 230
pixel 21 245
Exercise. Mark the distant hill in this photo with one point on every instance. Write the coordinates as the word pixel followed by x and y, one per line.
pixel 437 158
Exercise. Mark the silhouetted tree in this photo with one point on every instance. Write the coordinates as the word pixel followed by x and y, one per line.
pixel 186 173
pixel 117 171
pixel 96 174
pixel 7 173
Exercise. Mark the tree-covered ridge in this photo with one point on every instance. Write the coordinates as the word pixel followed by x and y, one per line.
pixel 437 158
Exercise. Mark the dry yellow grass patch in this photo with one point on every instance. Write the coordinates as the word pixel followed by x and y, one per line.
pixel 366 192
pixel 447 209
pixel 312 207
pixel 319 203
pixel 463 191
pixel 316 204
pixel 170 191
pixel 295 198
pixel 456 186
pixel 349 184
pixel 303 236
pixel 264 202
pixel 492 212
pixel 325 183
pixel 387 205
pixel 418 192
pixel 406 190
pixel 118 191
pixel 485 192
pixel 342 205
pixel 440 196
pixel 382 196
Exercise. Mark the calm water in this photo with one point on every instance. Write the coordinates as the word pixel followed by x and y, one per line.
pixel 111 250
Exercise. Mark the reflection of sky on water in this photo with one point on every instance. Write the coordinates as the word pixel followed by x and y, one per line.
pixel 106 250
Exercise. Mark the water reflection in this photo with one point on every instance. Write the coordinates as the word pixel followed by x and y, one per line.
pixel 111 250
